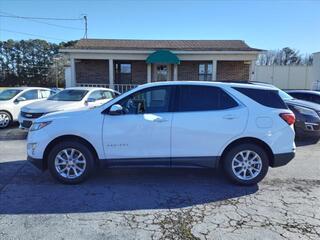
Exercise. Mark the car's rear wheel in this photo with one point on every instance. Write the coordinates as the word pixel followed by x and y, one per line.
pixel 5 119
pixel 246 164
pixel 70 162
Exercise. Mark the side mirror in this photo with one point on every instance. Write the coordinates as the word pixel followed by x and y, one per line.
pixel 116 109
pixel 20 99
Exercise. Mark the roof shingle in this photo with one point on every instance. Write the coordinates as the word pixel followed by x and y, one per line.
pixel 189 45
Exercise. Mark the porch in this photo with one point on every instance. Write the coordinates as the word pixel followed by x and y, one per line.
pixel 123 75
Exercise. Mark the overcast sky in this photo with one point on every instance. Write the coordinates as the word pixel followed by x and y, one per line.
pixel 262 24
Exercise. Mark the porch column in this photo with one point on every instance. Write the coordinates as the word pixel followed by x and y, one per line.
pixel 111 80
pixel 252 70
pixel 214 70
pixel 72 80
pixel 149 72
pixel 175 72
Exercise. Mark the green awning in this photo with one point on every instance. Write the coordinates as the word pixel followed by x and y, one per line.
pixel 163 56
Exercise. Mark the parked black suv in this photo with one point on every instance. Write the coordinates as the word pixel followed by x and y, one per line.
pixel 307 114
pixel 307 95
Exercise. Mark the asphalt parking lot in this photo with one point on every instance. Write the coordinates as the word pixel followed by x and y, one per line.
pixel 159 203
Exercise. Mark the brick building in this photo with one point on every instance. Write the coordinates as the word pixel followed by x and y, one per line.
pixel 123 64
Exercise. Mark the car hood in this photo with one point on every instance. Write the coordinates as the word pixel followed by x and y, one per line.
pixel 75 113
pixel 4 103
pixel 48 106
pixel 303 103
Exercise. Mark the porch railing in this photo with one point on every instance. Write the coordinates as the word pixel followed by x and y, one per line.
pixel 122 88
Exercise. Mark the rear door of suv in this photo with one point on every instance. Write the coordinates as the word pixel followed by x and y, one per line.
pixel 204 120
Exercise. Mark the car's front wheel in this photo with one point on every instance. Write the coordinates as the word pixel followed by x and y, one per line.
pixel 246 164
pixel 5 119
pixel 70 162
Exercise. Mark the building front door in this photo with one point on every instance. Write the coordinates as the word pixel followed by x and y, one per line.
pixel 162 72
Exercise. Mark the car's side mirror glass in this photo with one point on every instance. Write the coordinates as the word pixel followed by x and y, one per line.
pixel 116 110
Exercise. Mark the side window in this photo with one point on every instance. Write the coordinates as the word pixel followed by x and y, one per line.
pixel 44 93
pixel 155 100
pixel 316 99
pixel 97 95
pixel 268 98
pixel 203 98
pixel 107 94
pixel 30 95
pixel 303 96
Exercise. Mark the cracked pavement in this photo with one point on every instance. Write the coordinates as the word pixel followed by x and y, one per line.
pixel 159 203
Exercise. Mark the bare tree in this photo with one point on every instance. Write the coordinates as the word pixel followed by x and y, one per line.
pixel 285 56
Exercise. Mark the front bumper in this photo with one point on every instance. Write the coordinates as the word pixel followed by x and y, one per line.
pixel 282 159
pixel 38 163
pixel 25 123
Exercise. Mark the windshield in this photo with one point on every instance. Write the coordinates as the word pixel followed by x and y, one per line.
pixel 8 94
pixel 284 95
pixel 69 95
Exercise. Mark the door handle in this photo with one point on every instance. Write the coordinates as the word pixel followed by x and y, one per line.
pixel 159 120
pixel 229 117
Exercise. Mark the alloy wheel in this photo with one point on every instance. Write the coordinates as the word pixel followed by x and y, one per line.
pixel 246 165
pixel 4 120
pixel 70 163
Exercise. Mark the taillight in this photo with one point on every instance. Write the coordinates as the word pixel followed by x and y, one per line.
pixel 288 118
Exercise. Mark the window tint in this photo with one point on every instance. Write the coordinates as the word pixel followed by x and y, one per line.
pixel 203 98
pixel 155 100
pixel 69 95
pixel 30 95
pixel 316 99
pixel 268 98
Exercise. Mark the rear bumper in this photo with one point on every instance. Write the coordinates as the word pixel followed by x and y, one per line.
pixel 282 159
pixel 37 162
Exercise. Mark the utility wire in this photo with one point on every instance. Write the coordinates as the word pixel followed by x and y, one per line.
pixel 33 20
pixel 34 35
pixel 43 18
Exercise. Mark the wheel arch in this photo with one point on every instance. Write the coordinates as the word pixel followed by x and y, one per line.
pixel 68 138
pixel 6 111
pixel 251 140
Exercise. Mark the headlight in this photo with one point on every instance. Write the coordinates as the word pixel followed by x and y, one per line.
pixel 38 126
pixel 306 111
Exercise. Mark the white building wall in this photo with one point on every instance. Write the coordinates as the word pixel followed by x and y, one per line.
pixel 291 77
pixel 285 77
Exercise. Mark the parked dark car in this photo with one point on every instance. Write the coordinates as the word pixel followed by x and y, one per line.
pixel 307 95
pixel 307 114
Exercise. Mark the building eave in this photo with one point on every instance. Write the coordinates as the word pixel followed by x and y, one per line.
pixel 100 51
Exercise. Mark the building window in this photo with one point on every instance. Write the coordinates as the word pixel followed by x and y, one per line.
pixel 123 73
pixel 205 71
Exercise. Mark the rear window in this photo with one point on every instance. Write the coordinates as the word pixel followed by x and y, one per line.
pixel 268 98
pixel 203 98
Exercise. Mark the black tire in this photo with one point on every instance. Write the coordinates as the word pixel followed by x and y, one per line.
pixel 232 153
pixel 83 149
pixel 7 123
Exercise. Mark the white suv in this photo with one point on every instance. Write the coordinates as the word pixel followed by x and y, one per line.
pixel 67 99
pixel 13 99
pixel 242 127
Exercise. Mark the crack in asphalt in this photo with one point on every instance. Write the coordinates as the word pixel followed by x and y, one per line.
pixel 238 215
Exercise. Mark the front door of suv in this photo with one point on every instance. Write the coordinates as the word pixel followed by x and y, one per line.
pixel 141 134
pixel 206 118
